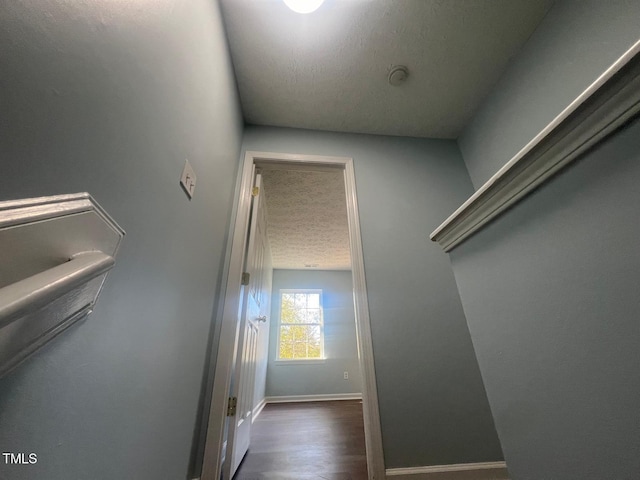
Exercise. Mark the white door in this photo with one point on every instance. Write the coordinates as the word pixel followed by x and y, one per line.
pixel 253 296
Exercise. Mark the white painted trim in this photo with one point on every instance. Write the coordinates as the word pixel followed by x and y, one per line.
pixel 224 450
pixel 229 329
pixel 301 361
pixel 82 259
pixel 228 339
pixel 329 397
pixel 31 210
pixel 609 102
pixel 258 409
pixel 480 471
pixel 370 407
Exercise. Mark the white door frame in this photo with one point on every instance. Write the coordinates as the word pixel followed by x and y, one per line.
pixel 228 338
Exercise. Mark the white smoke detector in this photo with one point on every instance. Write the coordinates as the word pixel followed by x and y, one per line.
pixel 398 75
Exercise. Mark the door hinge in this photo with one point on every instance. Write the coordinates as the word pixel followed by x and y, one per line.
pixel 245 278
pixel 255 191
pixel 231 406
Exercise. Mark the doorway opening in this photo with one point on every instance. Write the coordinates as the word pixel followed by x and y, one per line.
pixel 230 416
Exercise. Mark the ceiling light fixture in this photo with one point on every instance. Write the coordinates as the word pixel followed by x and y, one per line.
pixel 304 6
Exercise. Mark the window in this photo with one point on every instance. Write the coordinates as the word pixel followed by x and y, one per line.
pixel 300 331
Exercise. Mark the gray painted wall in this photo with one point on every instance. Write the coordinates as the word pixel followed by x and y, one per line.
pixel 110 98
pixel 550 291
pixel 574 44
pixel 432 402
pixel 340 347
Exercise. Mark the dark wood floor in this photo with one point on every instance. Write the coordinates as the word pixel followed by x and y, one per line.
pixel 307 441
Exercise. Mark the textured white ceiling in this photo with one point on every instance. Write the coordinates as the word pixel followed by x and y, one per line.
pixel 307 219
pixel 328 70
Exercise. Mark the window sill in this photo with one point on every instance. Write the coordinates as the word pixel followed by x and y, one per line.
pixel 311 361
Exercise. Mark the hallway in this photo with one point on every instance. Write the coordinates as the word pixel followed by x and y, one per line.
pixel 307 441
pixel 491 195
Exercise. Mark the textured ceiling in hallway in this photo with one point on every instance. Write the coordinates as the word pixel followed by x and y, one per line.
pixel 328 70
pixel 307 219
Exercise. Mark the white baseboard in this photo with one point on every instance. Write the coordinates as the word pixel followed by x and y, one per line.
pixel 461 471
pixel 314 398
pixel 258 408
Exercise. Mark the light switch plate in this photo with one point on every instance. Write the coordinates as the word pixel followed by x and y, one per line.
pixel 188 179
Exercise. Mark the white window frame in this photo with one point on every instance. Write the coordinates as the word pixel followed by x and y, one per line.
pixel 293 361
